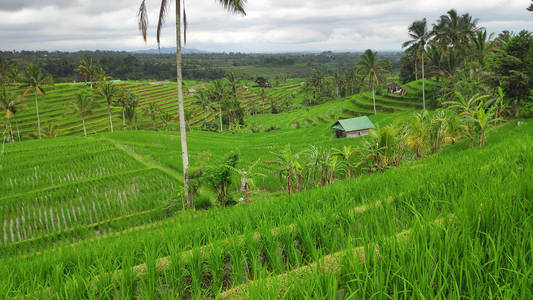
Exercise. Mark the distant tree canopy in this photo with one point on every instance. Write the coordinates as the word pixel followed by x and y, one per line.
pixel 197 66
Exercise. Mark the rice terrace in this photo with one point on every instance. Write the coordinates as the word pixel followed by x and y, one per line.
pixel 266 150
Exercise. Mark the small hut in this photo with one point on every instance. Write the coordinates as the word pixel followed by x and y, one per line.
pixel 393 88
pixel 354 127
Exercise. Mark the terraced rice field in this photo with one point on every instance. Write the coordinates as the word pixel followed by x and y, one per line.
pixel 54 107
pixel 447 226
pixel 78 189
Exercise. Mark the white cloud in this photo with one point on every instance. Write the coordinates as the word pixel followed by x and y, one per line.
pixel 270 25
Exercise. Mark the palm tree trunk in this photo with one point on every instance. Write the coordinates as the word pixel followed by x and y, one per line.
pixel 220 115
pixel 110 117
pixel 374 99
pixel 38 119
pixel 416 70
pixel 11 135
pixel 84 129
pixel 423 82
pixel 183 131
pixel 18 131
pixel 123 118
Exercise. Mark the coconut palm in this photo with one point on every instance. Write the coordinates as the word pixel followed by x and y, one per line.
pixel 435 58
pixel 454 31
pixel 481 45
pixel 202 100
pixel 218 95
pixel 108 91
pixel 420 35
pixel 87 69
pixel 13 73
pixel 83 105
pixel 4 69
pixel 132 101
pixel 11 104
pixel 373 69
pixel 153 111
pixel 34 79
pixel 233 6
pixel 122 102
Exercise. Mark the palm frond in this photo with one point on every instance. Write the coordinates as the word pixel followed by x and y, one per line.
pixel 143 19
pixel 161 20
pixel 234 6
pixel 184 23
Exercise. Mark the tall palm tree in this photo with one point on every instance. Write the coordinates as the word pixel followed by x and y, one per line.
pixel 122 102
pixel 420 35
pixel 455 31
pixel 132 101
pixel 202 99
pixel 108 91
pixel 83 105
pixel 4 68
pixel 34 79
pixel 233 6
pixel 373 69
pixel 481 45
pixel 11 104
pixel 435 58
pixel 84 68
pixel 218 97
pixel 153 111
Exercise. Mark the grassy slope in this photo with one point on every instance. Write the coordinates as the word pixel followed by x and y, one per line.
pixel 486 251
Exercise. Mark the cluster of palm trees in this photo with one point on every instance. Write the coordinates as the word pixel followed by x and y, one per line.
pixel 454 41
pixel 90 71
pixel 33 80
pixel 85 103
pixel 320 88
pixel 222 99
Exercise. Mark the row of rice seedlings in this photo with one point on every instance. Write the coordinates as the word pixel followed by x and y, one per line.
pixel 181 236
pixel 487 254
pixel 32 150
pixel 257 258
pixel 448 168
pixel 325 243
pixel 84 167
pixel 63 209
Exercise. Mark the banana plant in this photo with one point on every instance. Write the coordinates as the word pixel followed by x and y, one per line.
pixel 247 176
pixel 346 154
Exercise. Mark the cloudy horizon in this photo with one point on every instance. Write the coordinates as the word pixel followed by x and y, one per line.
pixel 270 25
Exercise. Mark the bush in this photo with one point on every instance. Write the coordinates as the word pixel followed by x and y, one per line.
pixel 202 202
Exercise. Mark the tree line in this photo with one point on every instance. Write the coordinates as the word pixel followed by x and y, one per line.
pixel 464 58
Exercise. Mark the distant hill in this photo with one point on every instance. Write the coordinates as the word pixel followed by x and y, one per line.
pixel 168 50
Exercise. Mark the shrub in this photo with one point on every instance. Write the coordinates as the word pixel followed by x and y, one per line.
pixel 202 202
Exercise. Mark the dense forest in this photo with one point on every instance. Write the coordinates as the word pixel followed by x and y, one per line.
pixel 197 66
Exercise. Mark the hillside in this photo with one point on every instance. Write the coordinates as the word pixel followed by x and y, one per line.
pixel 446 226
pixel 58 120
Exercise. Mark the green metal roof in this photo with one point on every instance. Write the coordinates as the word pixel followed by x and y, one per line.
pixel 353 124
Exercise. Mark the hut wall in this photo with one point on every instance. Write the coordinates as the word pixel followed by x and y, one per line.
pixel 356 133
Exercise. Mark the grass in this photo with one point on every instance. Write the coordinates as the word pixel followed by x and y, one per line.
pixel 484 252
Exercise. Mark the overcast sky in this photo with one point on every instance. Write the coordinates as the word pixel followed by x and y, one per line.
pixel 270 25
